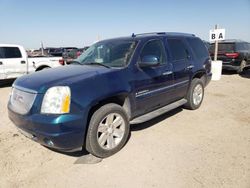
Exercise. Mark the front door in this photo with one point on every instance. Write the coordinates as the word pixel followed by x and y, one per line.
pixel 153 83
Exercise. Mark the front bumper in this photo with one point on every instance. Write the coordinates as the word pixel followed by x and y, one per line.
pixel 62 132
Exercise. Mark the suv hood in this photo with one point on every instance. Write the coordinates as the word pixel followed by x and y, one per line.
pixel 40 81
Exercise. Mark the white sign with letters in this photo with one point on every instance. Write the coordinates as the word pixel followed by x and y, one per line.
pixel 216 34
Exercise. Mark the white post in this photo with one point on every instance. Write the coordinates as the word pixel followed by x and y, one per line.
pixel 216 46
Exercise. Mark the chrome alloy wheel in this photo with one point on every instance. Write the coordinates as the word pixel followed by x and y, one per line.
pixel 111 131
pixel 197 94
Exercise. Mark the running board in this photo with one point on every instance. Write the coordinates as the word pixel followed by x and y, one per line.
pixel 158 112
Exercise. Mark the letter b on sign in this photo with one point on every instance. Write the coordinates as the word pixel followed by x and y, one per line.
pixel 213 36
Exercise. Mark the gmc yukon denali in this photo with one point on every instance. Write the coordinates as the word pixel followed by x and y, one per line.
pixel 117 82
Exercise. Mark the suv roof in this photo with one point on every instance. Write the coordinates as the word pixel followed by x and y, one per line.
pixel 150 35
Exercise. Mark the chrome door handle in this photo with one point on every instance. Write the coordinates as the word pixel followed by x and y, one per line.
pixel 189 67
pixel 167 73
pixel 23 62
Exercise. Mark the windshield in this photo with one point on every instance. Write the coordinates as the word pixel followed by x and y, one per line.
pixel 112 53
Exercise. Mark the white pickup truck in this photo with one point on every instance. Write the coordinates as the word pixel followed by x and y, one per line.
pixel 14 62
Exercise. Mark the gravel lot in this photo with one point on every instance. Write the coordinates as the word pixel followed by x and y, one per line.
pixel 209 147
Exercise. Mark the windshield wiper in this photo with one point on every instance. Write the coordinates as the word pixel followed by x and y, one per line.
pixel 94 63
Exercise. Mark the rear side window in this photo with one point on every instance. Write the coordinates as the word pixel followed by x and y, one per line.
pixel 198 47
pixel 178 49
pixel 10 52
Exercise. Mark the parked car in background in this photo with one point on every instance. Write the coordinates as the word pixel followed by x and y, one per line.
pixel 50 50
pixel 234 54
pixel 14 62
pixel 70 55
pixel 58 52
pixel 117 82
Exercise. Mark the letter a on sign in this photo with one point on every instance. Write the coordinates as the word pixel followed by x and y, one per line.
pixel 220 36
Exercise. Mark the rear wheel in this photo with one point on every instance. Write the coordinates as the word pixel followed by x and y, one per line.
pixel 108 131
pixel 195 94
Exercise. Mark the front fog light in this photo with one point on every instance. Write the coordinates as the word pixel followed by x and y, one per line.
pixel 56 100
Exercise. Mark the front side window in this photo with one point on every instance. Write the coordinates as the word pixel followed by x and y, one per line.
pixel 156 49
pixel 178 49
pixel 113 53
pixel 10 52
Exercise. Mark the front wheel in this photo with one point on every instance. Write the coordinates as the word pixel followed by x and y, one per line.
pixel 195 94
pixel 108 131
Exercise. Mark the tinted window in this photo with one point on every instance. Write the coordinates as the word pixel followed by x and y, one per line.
pixel 1 52
pixel 10 52
pixel 223 47
pixel 198 47
pixel 178 49
pixel 154 48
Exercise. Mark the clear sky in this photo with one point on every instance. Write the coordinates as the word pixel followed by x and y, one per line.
pixel 80 22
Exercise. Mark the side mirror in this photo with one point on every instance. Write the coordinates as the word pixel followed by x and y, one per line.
pixel 149 61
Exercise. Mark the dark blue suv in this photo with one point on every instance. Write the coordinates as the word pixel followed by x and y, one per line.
pixel 117 82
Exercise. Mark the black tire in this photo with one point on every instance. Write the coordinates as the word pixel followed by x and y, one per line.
pixel 191 102
pixel 99 121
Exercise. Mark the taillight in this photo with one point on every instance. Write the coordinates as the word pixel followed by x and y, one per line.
pixel 232 55
pixel 61 61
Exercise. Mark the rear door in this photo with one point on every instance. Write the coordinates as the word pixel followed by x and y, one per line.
pixel 182 65
pixel 12 62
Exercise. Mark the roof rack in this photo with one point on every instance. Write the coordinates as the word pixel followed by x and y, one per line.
pixel 152 33
pixel 162 33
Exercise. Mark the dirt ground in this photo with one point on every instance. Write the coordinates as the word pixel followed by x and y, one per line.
pixel 209 147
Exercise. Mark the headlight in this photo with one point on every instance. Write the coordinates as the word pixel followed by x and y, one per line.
pixel 56 100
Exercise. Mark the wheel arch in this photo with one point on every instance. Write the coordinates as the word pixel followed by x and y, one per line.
pixel 121 99
pixel 201 74
pixel 42 67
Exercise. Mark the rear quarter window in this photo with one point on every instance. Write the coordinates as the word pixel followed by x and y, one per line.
pixel 198 47
pixel 10 52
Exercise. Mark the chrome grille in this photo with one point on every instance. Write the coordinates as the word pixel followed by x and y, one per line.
pixel 21 101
